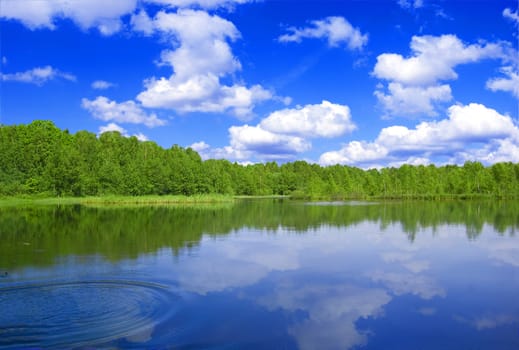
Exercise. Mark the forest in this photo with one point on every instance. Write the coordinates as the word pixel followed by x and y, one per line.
pixel 39 159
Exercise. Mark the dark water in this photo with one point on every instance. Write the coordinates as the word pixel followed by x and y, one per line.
pixel 262 274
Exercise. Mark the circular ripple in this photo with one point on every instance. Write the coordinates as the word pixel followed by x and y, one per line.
pixel 83 313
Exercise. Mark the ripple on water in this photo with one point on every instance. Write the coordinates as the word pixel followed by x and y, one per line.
pixel 85 313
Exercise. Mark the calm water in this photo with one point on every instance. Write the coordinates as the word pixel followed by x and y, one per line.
pixel 262 274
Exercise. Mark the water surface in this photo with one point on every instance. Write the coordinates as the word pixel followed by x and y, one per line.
pixel 262 274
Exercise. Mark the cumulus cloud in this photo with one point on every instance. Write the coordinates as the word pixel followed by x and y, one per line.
pixel 121 130
pixel 509 83
pixel 198 35
pixel 513 16
pixel 471 123
pixel 200 59
pixel 320 120
pixel 468 132
pixel 200 146
pixel 433 58
pixel 206 4
pixel 336 30
pixel 266 143
pixel 408 4
pixel 355 153
pixel 414 86
pixel 104 15
pixel 506 150
pixel 125 112
pixel 227 152
pixel 141 137
pixel 112 127
pixel 284 133
pixel 412 100
pixel 142 23
pixel 202 93
pixel 38 75
pixel 101 85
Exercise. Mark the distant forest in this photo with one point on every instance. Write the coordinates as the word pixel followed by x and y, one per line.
pixel 41 159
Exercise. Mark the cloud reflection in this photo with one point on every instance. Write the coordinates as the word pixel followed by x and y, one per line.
pixel 300 267
pixel 489 321
pixel 332 311
pixel 502 249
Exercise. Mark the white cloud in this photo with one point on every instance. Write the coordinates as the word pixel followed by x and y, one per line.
pixel 414 86
pixel 323 120
pixel 471 123
pixel 471 132
pixel 200 59
pixel 268 144
pixel 433 58
pixel 355 152
pixel 101 85
pixel 509 84
pixel 283 134
pixel 510 81
pixel 200 146
pixel 38 75
pixel 506 150
pixel 206 4
pixel 121 130
pixel 142 23
pixel 104 15
pixel 514 16
pixel 202 93
pixel 336 30
pixel 408 4
pixel 409 161
pixel 413 100
pixel 202 39
pixel 227 152
pixel 125 112
pixel 112 127
pixel 141 137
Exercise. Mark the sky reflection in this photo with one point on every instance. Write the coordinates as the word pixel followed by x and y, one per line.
pixel 363 285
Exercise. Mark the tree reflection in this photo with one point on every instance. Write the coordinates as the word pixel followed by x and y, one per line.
pixel 37 235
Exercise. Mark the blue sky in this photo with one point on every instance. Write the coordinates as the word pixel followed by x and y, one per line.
pixel 366 83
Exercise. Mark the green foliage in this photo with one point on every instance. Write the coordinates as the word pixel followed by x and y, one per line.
pixel 39 159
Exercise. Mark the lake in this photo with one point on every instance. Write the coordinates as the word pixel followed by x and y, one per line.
pixel 262 274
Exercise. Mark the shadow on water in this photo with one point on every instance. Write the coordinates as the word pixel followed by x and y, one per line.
pixel 37 235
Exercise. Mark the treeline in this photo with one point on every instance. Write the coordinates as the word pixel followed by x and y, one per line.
pixel 41 159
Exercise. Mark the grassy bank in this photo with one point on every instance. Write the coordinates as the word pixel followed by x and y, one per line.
pixel 118 200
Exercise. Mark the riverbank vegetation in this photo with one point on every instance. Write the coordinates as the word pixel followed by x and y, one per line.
pixel 41 160
pixel 113 200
